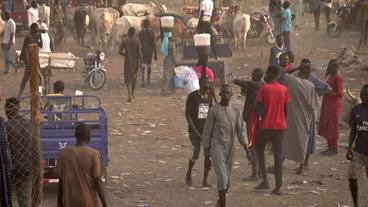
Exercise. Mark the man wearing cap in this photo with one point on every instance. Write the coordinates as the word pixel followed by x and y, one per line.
pixel 8 40
pixel 47 45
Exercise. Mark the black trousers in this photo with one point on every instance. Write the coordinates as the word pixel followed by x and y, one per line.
pixel 276 137
pixel 316 14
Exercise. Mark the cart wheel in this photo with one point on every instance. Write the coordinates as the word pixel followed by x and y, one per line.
pixel 269 39
pixel 333 30
pixel 97 79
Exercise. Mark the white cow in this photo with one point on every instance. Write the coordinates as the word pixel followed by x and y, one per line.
pixel 241 27
pixel 44 14
pixel 132 9
pixel 121 28
pixel 102 23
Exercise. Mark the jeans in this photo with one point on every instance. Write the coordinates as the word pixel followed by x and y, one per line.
pixel 23 191
pixel 7 58
pixel 276 137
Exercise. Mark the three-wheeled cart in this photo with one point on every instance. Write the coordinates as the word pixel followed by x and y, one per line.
pixel 59 116
pixel 49 62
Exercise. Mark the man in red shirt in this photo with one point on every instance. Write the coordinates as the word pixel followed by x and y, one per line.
pixel 271 102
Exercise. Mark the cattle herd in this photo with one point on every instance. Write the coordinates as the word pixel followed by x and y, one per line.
pixel 109 26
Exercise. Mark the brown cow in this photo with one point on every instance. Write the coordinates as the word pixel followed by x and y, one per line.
pixel 179 27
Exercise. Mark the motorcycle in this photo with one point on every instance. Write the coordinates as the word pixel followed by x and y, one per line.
pixel 261 27
pixel 94 72
pixel 346 20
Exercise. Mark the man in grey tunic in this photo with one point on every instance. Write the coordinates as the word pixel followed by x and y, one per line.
pixel 300 113
pixel 223 124
pixel 321 88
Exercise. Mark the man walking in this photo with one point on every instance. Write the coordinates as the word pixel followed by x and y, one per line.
pixel 32 14
pixel 300 115
pixel 19 130
pixel 131 50
pixel 57 22
pixel 359 135
pixel 8 41
pixel 321 89
pixel 82 163
pixel 33 37
pixel 197 106
pixel 47 44
pixel 147 40
pixel 272 100
pixel 223 124
pixel 286 24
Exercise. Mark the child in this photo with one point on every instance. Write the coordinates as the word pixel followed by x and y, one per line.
pixel 276 51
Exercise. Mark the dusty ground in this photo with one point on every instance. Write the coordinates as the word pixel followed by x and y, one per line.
pixel 148 142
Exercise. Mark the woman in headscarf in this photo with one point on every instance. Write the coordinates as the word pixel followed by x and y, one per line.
pixel 331 109
pixel 169 63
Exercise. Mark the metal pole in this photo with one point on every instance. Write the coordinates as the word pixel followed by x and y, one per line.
pixel 35 119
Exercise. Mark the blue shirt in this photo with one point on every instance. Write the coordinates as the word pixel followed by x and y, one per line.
pixel 359 120
pixel 286 20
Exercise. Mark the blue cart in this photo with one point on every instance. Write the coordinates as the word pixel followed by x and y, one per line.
pixel 59 116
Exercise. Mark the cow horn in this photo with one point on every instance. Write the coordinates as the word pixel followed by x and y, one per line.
pixel 159 5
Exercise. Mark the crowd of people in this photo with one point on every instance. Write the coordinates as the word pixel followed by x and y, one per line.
pixel 280 109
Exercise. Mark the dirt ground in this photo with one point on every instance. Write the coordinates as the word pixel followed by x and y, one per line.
pixel 149 145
